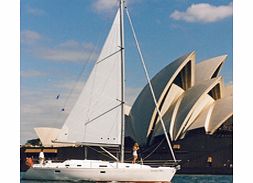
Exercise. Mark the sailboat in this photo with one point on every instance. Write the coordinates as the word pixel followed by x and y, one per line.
pixel 97 119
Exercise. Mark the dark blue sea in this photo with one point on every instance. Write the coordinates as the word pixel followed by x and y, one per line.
pixel 176 179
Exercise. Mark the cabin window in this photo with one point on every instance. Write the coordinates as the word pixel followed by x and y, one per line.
pixel 79 165
pixel 209 159
pixel 102 171
pixel 176 146
pixel 57 171
pixel 102 165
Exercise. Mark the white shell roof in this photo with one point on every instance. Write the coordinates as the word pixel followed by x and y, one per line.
pixel 183 109
pixel 223 110
pixel 214 115
pixel 127 109
pixel 46 136
pixel 167 115
pixel 143 109
pixel 206 100
pixel 209 69
pixel 228 90
pixel 190 101
pixel 203 119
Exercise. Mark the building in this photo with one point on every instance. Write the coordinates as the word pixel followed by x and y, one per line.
pixel 197 108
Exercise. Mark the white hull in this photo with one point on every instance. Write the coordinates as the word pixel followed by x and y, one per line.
pixel 91 170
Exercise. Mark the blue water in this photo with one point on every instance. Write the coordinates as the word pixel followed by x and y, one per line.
pixel 176 179
pixel 203 179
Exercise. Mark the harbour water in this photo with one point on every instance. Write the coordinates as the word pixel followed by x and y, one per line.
pixel 176 179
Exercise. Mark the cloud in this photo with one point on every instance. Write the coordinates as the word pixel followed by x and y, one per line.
pixel 131 94
pixel 40 108
pixel 64 55
pixel 67 51
pixel 204 13
pixel 68 86
pixel 28 36
pixel 35 11
pixel 31 73
pixel 107 6
pixel 230 82
pixel 72 44
pixel 104 5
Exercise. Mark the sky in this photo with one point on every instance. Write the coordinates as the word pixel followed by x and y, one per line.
pixel 61 39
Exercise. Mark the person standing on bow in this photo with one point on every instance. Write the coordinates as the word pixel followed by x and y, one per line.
pixel 135 154
pixel 41 157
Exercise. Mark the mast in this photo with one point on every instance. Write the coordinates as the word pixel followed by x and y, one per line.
pixel 122 80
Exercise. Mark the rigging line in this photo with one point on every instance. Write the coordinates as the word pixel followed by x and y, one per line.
pixel 153 150
pixel 103 114
pixel 149 148
pixel 108 152
pixel 99 152
pixel 150 85
pixel 118 51
pixel 146 150
pixel 86 143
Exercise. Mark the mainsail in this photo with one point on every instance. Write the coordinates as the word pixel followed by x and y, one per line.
pixel 96 116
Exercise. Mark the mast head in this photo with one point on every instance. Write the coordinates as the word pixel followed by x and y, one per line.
pixel 122 2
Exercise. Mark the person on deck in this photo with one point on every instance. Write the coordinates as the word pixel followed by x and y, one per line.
pixel 29 162
pixel 41 157
pixel 135 154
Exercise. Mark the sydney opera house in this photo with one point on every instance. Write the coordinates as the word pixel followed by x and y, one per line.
pixel 190 96
pixel 197 108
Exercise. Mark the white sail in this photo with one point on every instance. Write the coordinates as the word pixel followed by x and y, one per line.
pixel 96 116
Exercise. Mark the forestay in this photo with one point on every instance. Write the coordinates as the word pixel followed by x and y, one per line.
pixel 96 116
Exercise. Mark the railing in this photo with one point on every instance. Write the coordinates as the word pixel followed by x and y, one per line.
pixel 157 163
